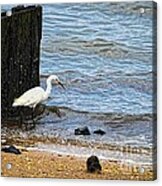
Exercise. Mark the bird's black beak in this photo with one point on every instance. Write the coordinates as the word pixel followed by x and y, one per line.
pixel 61 85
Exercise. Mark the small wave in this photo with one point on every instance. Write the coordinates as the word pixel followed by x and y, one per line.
pixel 98 46
pixel 34 139
pixel 110 117
pixel 64 72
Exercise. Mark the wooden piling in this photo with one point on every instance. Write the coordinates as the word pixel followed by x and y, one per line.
pixel 20 54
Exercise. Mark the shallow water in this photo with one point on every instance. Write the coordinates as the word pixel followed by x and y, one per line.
pixel 103 54
pixel 84 152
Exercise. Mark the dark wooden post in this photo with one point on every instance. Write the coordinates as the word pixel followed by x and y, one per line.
pixel 20 53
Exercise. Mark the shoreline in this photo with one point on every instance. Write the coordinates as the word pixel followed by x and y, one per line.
pixel 52 165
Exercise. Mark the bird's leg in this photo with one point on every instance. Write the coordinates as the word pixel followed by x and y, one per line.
pixel 21 118
pixel 31 124
pixel 33 115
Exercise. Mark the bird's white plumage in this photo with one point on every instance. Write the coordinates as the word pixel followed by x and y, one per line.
pixel 30 98
pixel 35 95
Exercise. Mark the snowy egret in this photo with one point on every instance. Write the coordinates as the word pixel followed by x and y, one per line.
pixel 37 94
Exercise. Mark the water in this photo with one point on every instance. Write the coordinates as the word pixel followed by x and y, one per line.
pixel 103 54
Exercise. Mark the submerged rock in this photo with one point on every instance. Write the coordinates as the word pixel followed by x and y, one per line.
pixel 11 149
pixel 93 164
pixel 55 110
pixel 82 131
pixel 99 131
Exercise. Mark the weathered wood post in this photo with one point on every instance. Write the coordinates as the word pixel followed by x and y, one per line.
pixel 20 53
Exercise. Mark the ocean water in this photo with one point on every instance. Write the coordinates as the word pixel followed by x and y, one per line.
pixel 102 52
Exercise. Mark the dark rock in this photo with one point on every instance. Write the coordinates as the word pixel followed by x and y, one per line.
pixel 82 131
pixel 93 164
pixel 99 131
pixel 11 149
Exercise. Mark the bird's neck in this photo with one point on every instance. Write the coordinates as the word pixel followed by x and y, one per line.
pixel 49 88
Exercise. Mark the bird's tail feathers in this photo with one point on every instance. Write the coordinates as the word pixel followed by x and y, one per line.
pixel 15 103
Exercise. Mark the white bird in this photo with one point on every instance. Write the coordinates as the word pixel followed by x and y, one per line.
pixel 37 94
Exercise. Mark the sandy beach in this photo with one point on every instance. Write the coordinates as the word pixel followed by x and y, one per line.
pixel 49 165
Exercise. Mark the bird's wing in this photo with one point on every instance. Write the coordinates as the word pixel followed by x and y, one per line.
pixel 30 97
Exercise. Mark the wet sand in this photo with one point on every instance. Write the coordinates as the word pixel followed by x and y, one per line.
pixel 43 164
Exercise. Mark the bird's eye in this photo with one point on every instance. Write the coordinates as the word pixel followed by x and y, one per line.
pixel 53 81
